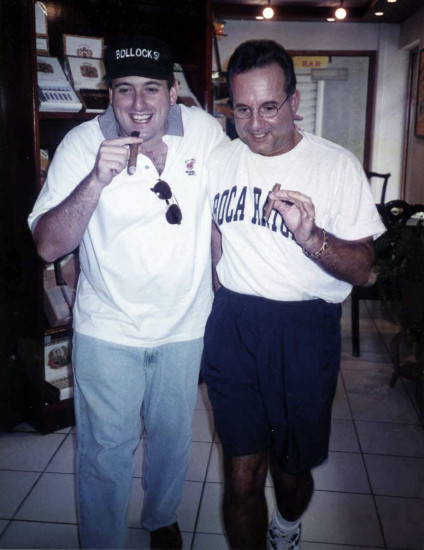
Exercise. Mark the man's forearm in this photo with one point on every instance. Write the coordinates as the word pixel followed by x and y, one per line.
pixel 60 230
pixel 349 261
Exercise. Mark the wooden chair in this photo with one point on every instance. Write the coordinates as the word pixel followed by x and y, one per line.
pixel 397 211
pixel 372 176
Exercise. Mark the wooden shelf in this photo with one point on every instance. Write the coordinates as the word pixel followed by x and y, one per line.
pixel 81 116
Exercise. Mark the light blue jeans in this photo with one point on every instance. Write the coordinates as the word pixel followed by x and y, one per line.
pixel 113 383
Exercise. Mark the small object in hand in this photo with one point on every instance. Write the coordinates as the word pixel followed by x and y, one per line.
pixel 269 204
pixel 132 161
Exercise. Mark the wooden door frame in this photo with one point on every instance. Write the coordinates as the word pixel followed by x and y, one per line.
pixel 410 108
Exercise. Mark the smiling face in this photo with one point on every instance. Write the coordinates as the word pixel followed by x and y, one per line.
pixel 262 87
pixel 142 104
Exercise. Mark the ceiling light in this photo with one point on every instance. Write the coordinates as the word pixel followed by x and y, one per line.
pixel 379 13
pixel 340 13
pixel 268 12
pixel 330 19
pixel 391 1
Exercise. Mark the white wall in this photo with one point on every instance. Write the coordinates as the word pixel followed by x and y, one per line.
pixel 392 70
pixel 390 109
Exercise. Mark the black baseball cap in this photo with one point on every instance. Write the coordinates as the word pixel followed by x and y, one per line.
pixel 146 56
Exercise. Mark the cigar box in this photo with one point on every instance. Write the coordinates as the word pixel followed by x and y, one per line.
pixel 90 47
pixel 59 389
pixel 60 282
pixel 87 76
pixel 58 303
pixel 86 71
pixel 57 367
pixel 55 93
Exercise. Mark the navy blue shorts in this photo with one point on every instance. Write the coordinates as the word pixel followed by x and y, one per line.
pixel 271 369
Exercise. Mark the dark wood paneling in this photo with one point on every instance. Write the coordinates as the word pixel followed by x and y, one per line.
pixel 18 188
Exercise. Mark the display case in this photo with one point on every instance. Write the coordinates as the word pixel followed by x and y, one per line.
pixel 26 329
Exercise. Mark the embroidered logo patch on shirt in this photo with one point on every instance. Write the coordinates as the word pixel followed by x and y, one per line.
pixel 190 167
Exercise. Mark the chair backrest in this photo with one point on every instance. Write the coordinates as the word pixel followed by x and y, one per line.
pixel 384 178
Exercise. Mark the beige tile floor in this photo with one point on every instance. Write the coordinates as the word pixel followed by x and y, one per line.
pixel 369 494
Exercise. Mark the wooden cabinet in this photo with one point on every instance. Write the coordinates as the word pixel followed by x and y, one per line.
pixel 187 26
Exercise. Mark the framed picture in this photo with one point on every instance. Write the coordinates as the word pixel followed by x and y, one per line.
pixel 419 118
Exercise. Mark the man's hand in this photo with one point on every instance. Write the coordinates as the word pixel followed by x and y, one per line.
pixel 298 213
pixel 112 158
pixel 349 261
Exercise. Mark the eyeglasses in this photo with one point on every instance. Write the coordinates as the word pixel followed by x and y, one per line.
pixel 163 191
pixel 265 111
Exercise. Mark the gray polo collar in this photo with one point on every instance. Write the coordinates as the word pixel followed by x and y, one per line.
pixel 109 125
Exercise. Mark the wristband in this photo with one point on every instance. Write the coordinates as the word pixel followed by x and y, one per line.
pixel 320 252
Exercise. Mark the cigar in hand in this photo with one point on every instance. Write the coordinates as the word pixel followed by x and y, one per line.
pixel 132 161
pixel 269 204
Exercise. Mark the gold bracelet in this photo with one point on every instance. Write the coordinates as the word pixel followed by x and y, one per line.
pixel 320 252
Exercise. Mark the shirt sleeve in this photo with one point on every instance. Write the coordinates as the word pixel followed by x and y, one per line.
pixel 72 162
pixel 355 215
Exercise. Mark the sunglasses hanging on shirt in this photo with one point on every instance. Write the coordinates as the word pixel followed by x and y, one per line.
pixel 163 191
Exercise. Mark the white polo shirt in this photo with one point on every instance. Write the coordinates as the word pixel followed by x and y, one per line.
pixel 264 260
pixel 143 282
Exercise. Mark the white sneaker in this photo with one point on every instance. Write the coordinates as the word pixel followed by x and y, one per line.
pixel 278 540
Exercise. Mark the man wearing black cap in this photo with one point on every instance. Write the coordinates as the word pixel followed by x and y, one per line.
pixel 144 290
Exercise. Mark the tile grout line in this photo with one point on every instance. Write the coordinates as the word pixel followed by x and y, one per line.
pixel 25 498
pixel 202 491
pixel 412 401
pixel 380 523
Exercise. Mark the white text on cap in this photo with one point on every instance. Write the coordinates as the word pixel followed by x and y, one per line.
pixel 128 52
